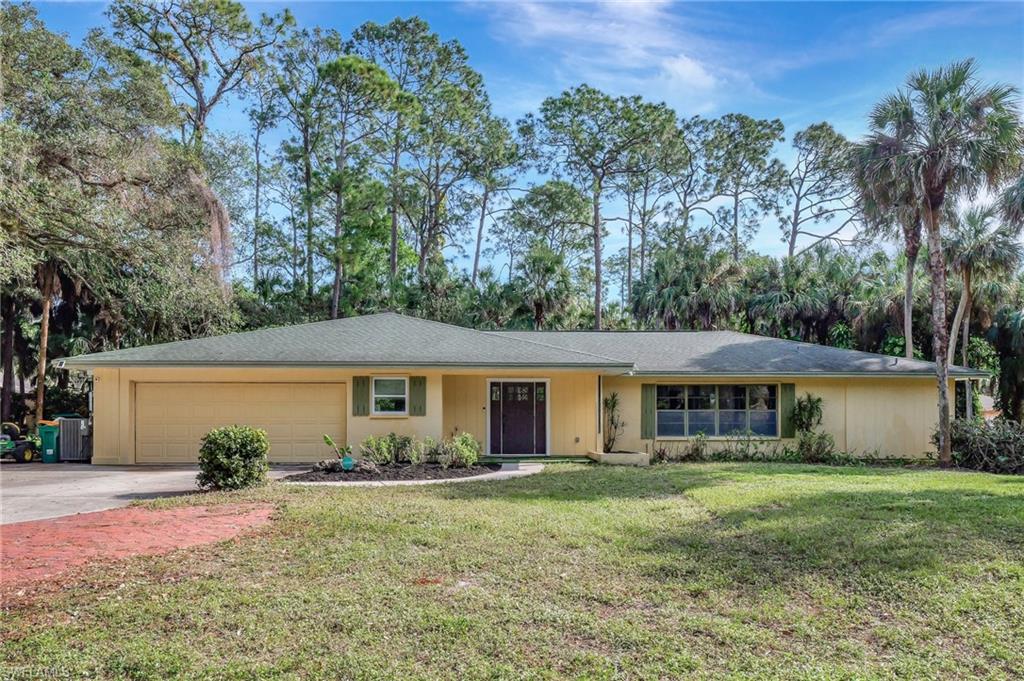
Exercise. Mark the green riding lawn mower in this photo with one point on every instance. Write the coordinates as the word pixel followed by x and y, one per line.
pixel 13 445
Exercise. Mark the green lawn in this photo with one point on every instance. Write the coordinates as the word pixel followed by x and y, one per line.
pixel 743 570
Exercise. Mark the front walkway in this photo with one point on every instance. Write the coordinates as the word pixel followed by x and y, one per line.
pixel 42 550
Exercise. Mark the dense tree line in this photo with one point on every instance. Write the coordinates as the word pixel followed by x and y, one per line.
pixel 370 172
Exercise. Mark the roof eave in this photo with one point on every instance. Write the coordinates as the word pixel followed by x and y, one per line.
pixel 87 364
pixel 813 374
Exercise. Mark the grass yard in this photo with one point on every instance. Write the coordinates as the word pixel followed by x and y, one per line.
pixel 743 570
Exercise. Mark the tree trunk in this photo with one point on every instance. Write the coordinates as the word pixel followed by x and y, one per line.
pixel 912 246
pixel 968 384
pixel 629 252
pixel 736 228
pixel 8 310
pixel 940 333
pixel 908 306
pixel 256 212
pixel 480 234
pixel 46 287
pixel 643 251
pixel 340 161
pixel 307 180
pixel 395 158
pixel 958 319
pixel 597 256
pixel 794 227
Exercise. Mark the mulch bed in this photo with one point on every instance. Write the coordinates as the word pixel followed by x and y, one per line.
pixel 429 471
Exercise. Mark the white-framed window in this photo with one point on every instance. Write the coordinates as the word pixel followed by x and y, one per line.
pixel 390 395
pixel 717 410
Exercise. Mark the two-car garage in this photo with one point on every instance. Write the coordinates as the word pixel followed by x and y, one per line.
pixel 171 418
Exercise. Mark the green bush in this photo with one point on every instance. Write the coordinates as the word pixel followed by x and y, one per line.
pixel 462 451
pixel 427 450
pixel 807 413
pixel 386 450
pixel 994 446
pixel 814 447
pixel 459 452
pixel 233 457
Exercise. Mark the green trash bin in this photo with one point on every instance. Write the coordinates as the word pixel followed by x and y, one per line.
pixel 49 433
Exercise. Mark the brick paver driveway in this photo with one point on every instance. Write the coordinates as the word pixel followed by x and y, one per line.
pixel 43 549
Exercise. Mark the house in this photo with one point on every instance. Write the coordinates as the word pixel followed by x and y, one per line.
pixel 518 392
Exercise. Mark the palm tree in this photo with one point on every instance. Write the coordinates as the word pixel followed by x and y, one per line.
pixel 1012 202
pixel 795 297
pixel 945 136
pixel 904 217
pixel 545 281
pixel 878 302
pixel 979 247
pixel 1007 335
pixel 695 287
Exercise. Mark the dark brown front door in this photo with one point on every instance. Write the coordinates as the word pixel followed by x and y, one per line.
pixel 518 417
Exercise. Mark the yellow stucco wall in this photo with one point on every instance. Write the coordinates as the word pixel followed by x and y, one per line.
pixel 455 403
pixel 894 417
pixel 114 402
pixel 572 401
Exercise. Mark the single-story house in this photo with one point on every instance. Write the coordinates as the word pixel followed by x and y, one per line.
pixel 517 392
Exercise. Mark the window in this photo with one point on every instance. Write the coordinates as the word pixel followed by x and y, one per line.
pixel 716 410
pixel 390 396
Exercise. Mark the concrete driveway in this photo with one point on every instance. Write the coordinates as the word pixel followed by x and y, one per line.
pixel 36 491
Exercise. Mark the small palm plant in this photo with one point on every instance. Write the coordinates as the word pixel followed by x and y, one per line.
pixel 344 454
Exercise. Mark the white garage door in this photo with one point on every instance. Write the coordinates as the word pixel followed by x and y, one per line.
pixel 171 418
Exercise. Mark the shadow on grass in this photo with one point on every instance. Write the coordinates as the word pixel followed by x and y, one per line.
pixel 853 535
pixel 774 528
pixel 584 482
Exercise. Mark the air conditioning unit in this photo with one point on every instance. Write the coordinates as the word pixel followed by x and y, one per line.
pixel 75 439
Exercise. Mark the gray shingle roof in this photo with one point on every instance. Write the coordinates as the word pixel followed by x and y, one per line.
pixel 729 352
pixel 394 340
pixel 386 339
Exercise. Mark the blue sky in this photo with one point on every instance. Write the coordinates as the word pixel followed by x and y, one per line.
pixel 801 62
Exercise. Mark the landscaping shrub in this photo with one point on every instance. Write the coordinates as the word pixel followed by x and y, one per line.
pixel 807 413
pixel 613 423
pixel 810 447
pixel 233 457
pixel 459 452
pixel 994 446
pixel 387 449
pixel 462 451
pixel 423 451
pixel 814 447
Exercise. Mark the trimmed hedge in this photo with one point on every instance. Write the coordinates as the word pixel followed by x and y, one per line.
pixel 233 457
pixel 993 446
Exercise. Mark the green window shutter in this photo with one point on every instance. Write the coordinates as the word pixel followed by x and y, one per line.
pixel 417 396
pixel 787 401
pixel 648 397
pixel 360 396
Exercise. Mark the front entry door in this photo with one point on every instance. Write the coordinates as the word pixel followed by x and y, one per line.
pixel 518 417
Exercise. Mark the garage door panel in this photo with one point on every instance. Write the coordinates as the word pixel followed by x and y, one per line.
pixel 172 418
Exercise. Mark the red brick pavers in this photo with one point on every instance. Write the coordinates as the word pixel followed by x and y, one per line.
pixel 40 549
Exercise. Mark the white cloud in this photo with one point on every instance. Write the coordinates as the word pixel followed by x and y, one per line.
pixel 622 47
pixel 688 72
